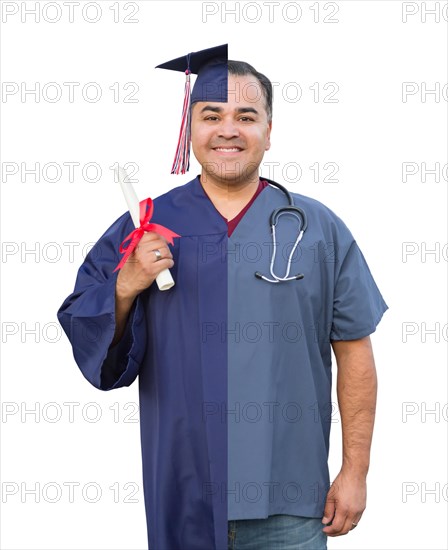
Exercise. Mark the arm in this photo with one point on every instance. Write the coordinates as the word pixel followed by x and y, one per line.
pixel 123 306
pixel 356 389
pixel 88 315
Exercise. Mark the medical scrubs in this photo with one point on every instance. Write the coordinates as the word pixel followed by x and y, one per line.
pixel 234 372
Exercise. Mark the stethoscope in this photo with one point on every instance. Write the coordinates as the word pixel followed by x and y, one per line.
pixel 301 216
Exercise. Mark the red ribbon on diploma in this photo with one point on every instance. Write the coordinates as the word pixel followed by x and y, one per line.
pixel 146 210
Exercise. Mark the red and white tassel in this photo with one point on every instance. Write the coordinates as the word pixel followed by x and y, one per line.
pixel 181 162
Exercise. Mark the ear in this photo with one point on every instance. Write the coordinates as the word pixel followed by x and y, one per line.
pixel 268 136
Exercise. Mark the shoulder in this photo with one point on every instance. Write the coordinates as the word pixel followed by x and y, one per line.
pixel 174 198
pixel 176 194
pixel 320 216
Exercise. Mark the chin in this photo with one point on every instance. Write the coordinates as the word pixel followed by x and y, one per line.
pixel 233 168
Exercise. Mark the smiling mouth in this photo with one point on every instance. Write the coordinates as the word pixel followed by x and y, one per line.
pixel 227 149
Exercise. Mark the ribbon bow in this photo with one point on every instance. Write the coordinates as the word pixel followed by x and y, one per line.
pixel 146 210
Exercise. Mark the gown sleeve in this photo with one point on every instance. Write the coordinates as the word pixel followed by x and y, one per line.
pixel 87 317
pixel 358 304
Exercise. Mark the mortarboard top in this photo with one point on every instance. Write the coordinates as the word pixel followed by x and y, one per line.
pixel 211 85
pixel 211 67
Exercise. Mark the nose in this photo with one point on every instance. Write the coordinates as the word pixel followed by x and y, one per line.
pixel 228 129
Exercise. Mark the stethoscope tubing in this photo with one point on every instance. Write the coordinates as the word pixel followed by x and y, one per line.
pixel 301 216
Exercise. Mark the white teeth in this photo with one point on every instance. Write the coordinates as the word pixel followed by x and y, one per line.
pixel 227 149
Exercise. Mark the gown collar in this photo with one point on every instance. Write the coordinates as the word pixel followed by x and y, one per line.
pixel 250 219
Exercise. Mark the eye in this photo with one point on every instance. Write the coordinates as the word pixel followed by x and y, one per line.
pixel 211 117
pixel 246 119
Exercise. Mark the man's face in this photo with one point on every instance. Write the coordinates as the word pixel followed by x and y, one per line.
pixel 229 139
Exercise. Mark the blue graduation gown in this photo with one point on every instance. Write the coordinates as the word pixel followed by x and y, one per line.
pixel 234 372
pixel 173 342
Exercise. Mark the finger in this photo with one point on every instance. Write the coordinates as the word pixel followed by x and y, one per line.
pixel 166 263
pixel 152 243
pixel 146 259
pixel 356 519
pixel 149 249
pixel 348 525
pixel 150 236
pixel 337 525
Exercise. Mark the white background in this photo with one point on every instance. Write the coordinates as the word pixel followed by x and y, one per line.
pixel 369 132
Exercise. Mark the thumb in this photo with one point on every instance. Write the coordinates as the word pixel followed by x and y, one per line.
pixel 329 510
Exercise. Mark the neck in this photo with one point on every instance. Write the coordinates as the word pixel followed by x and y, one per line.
pixel 229 198
pixel 232 191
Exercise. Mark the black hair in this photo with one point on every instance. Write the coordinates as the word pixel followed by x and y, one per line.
pixel 241 68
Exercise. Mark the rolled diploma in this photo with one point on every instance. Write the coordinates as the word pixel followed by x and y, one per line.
pixel 164 279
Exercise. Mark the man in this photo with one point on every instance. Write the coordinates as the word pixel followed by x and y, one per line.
pixel 235 371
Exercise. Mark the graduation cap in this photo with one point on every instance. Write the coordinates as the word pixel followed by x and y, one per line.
pixel 211 85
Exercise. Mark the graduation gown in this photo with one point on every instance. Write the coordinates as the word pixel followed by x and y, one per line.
pixel 173 342
pixel 197 360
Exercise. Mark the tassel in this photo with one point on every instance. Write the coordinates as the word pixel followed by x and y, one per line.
pixel 181 162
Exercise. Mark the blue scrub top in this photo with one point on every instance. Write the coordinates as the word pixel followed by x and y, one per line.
pixel 279 353
pixel 234 372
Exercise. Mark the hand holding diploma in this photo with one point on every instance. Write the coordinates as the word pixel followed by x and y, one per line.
pixel 144 241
